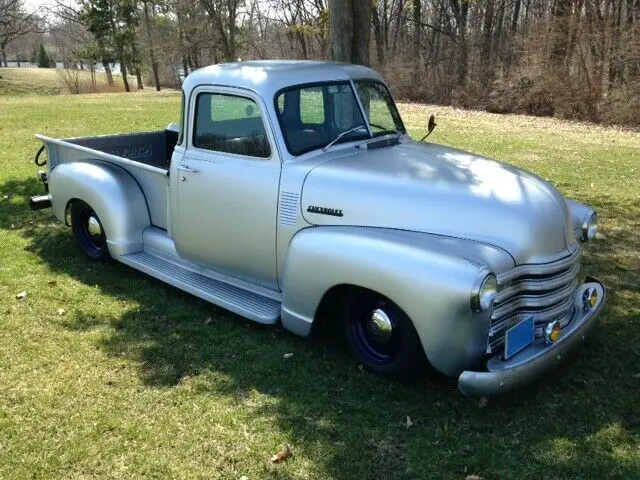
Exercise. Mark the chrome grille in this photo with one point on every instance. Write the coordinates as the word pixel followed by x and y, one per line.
pixel 542 291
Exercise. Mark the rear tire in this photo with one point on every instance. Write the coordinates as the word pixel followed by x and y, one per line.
pixel 88 232
pixel 382 337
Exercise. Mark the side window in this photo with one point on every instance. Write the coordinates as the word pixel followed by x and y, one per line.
pixel 230 124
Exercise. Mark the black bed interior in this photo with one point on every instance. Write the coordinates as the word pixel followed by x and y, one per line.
pixel 150 148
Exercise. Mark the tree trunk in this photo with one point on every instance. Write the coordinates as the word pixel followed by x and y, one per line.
pixel 107 70
pixel 461 22
pixel 417 38
pixel 559 36
pixel 232 5
pixel 92 71
pixel 350 30
pixel 139 79
pixel 516 16
pixel 377 35
pixel 185 67
pixel 4 55
pixel 487 34
pixel 152 52
pixel 123 71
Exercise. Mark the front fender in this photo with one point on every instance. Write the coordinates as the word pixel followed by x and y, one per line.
pixel 429 276
pixel 112 193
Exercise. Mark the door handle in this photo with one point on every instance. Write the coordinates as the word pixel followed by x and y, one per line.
pixel 186 168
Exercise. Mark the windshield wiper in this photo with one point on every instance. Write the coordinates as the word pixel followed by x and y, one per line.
pixel 346 132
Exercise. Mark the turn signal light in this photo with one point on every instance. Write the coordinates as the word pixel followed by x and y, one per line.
pixel 590 298
pixel 552 331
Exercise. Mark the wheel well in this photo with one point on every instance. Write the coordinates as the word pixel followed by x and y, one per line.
pixel 329 309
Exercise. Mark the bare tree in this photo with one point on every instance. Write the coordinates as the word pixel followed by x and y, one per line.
pixel 224 15
pixel 15 22
pixel 150 41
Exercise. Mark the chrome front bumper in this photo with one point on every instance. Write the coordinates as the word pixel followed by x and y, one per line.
pixel 503 376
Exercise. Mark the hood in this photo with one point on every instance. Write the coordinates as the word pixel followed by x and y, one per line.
pixel 434 189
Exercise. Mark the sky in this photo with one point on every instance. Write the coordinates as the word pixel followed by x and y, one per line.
pixel 33 4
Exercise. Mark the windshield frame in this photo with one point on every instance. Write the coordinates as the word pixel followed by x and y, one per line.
pixel 301 86
pixel 391 105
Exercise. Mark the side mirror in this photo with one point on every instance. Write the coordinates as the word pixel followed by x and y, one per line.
pixel 431 126
pixel 432 123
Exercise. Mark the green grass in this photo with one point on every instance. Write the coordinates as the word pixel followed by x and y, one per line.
pixel 136 379
pixel 48 81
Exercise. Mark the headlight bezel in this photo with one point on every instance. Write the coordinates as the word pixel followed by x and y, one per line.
pixel 484 292
pixel 590 226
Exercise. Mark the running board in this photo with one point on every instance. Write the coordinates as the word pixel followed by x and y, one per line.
pixel 247 304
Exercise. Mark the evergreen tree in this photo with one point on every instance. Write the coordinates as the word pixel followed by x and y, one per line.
pixel 43 59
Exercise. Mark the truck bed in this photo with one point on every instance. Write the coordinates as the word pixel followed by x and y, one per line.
pixel 146 156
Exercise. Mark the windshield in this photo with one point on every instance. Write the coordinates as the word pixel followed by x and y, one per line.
pixel 381 112
pixel 312 116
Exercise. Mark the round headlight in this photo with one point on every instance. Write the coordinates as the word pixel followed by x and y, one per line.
pixel 590 228
pixel 484 295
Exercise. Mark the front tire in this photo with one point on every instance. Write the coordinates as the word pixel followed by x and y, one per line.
pixel 88 231
pixel 382 337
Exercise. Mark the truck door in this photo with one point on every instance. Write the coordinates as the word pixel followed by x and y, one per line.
pixel 227 187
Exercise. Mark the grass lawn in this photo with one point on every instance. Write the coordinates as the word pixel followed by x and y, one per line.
pixel 105 372
pixel 49 81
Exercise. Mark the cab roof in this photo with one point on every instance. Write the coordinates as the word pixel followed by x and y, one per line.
pixel 266 77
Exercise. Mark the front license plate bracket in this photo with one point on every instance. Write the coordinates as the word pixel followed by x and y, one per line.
pixel 519 337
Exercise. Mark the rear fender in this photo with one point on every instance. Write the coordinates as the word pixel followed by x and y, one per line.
pixel 429 277
pixel 112 193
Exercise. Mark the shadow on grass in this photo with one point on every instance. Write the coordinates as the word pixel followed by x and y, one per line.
pixel 324 399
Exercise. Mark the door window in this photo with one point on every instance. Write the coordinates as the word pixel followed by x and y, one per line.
pixel 230 124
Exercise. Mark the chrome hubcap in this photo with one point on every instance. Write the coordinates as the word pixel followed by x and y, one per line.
pixel 94 228
pixel 379 326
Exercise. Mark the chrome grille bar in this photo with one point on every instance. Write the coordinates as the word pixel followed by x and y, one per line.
pixel 543 291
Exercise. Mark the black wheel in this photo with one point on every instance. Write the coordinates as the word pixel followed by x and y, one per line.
pixel 382 336
pixel 88 231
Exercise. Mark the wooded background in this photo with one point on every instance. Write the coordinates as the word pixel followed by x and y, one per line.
pixel 568 58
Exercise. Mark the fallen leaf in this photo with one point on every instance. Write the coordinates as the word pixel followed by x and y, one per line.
pixel 408 423
pixel 5 196
pixel 12 226
pixel 361 367
pixel 288 355
pixel 483 402
pixel 473 477
pixel 244 477
pixel 282 455
pixel 21 295
pixel 52 283
pixel 208 320
pixel 60 312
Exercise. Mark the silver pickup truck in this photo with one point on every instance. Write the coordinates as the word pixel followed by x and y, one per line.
pixel 288 187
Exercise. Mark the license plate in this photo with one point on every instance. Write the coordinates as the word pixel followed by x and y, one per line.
pixel 519 337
